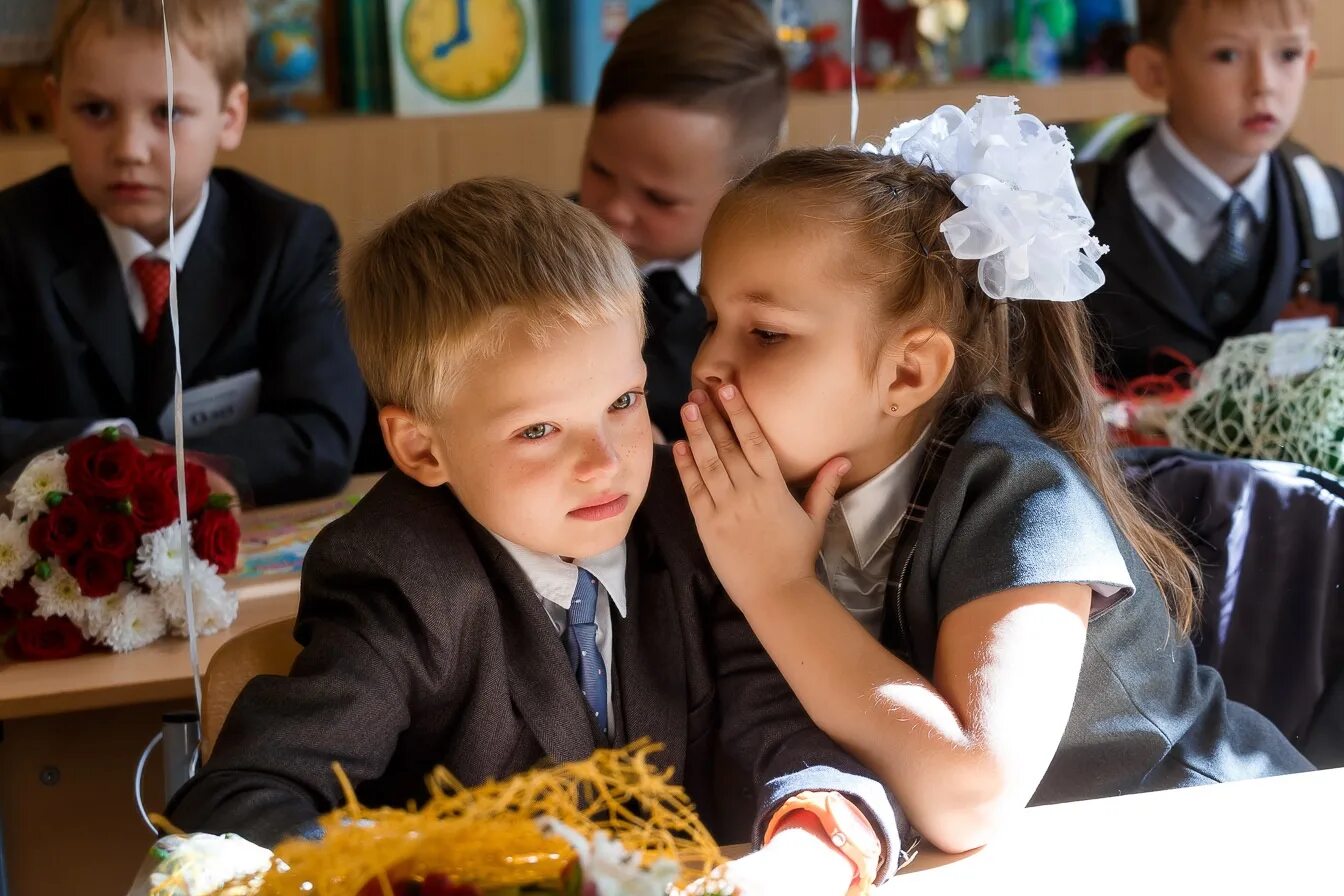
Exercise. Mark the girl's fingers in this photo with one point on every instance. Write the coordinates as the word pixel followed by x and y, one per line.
pixel 706 456
pixel 701 501
pixel 821 496
pixel 749 438
pixel 725 442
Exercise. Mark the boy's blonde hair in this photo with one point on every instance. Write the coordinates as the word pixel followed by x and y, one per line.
pixel 214 30
pixel 1157 18
pixel 717 56
pixel 435 289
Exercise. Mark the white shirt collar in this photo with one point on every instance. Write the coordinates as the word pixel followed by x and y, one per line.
pixel 1255 187
pixel 129 245
pixel 554 579
pixel 871 512
pixel 688 269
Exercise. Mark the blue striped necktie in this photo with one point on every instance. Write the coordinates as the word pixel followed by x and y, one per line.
pixel 581 645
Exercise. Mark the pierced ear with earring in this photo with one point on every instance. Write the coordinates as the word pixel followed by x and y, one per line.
pixel 894 409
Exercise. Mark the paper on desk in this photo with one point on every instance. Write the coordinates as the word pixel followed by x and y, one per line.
pixel 223 402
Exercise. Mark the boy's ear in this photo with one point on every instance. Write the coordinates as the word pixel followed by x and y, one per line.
pixel 234 110
pixel 413 447
pixel 1147 68
pixel 916 368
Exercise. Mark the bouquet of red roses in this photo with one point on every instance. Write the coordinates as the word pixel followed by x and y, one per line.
pixel 91 550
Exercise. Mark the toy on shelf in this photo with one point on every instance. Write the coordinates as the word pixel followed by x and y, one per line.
pixel 888 41
pixel 940 24
pixel 828 71
pixel 1040 29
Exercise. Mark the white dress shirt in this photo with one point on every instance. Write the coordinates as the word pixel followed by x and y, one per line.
pixel 1185 200
pixel 688 269
pixel 860 538
pixel 554 581
pixel 128 245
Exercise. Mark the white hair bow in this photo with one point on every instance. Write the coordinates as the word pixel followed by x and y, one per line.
pixel 1024 220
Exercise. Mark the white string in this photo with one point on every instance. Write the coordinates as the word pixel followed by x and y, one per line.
pixel 853 73
pixel 178 447
pixel 140 782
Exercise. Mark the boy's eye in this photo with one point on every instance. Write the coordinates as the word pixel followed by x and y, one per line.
pixel 161 112
pixel 625 402
pixel 95 110
pixel 1225 55
pixel 659 200
pixel 598 169
pixel 768 337
pixel 537 431
pixel 1292 54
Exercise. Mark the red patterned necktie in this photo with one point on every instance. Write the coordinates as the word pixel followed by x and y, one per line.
pixel 153 276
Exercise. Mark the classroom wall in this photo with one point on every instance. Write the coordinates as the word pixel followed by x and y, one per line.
pixel 363 169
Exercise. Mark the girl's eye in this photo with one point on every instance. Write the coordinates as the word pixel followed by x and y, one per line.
pixel 537 431
pixel 1292 55
pixel 768 337
pixel 625 402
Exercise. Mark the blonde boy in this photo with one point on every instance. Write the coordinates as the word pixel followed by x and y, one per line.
pixel 1217 226
pixel 84 262
pixel 527 583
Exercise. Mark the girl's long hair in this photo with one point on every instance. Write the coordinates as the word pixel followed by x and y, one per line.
pixel 1036 356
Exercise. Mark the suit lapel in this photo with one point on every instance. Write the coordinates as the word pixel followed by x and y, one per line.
pixel 647 653
pixel 94 295
pixel 208 289
pixel 543 687
pixel 1287 248
pixel 1137 257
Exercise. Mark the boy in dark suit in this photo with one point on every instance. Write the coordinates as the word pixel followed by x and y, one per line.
pixel 84 329
pixel 1217 227
pixel 527 584
pixel 692 98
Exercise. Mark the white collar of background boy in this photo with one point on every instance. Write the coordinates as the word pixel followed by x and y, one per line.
pixel 1209 205
pixel 554 579
pixel 688 269
pixel 129 245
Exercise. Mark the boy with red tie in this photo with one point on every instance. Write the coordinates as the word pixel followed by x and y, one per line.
pixel 270 380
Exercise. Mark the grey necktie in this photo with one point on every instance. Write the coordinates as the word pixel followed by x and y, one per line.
pixel 1229 256
pixel 581 646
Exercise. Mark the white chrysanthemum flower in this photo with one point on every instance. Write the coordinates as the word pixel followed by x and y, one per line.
pixel 216 607
pixel 159 557
pixel 59 595
pixel 128 620
pixel 15 554
pixel 43 475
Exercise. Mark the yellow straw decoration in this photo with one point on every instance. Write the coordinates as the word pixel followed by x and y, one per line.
pixel 487 836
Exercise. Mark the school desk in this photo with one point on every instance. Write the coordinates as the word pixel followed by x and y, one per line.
pixel 74 729
pixel 1274 835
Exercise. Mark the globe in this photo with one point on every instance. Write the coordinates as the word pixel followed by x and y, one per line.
pixel 286 53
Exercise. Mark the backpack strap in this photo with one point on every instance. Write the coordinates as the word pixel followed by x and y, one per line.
pixel 1316 208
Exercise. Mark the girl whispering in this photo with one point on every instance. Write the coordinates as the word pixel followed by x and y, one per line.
pixel 984 617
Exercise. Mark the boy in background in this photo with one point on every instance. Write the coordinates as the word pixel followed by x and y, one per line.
pixel 693 97
pixel 84 332
pixel 1217 226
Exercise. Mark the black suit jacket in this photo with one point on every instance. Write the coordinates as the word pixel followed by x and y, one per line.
pixel 676 320
pixel 1145 305
pixel 257 292
pixel 424 643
